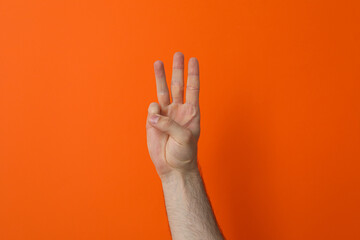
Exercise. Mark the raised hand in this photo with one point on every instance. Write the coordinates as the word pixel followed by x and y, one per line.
pixel 173 129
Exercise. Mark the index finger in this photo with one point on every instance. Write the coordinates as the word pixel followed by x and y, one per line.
pixel 161 86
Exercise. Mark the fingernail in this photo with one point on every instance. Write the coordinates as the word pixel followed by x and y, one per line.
pixel 154 119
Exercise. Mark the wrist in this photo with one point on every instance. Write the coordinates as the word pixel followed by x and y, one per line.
pixel 178 175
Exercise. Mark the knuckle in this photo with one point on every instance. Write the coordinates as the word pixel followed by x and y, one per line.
pixel 191 88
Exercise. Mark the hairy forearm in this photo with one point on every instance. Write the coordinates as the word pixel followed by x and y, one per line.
pixel 189 211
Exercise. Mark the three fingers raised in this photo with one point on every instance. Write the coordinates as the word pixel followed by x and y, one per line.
pixel 177 81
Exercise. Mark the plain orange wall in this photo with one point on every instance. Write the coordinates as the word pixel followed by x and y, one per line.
pixel 280 116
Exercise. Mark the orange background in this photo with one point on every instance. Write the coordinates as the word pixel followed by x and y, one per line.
pixel 280 116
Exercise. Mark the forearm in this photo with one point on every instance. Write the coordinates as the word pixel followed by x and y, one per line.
pixel 189 211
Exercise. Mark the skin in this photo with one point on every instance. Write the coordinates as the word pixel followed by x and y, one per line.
pixel 173 130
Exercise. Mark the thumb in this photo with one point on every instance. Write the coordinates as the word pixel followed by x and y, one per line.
pixel 169 126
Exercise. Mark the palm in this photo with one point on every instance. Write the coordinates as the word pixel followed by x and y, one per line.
pixel 185 114
pixel 164 150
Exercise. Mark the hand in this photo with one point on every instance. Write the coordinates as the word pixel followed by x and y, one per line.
pixel 173 129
